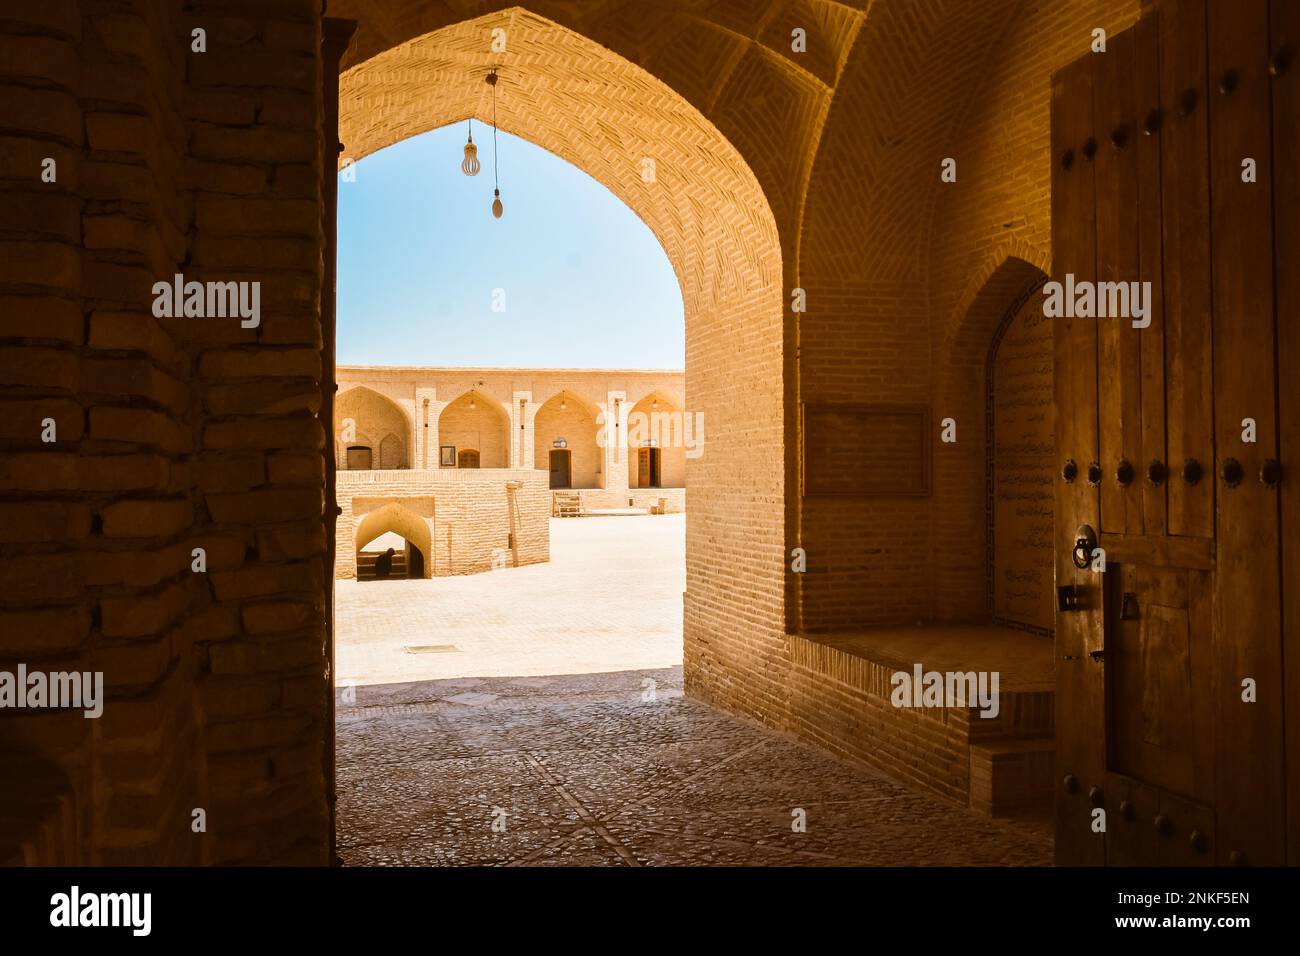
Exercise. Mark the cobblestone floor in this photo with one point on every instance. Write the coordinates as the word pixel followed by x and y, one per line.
pixel 590 772
pixel 433 748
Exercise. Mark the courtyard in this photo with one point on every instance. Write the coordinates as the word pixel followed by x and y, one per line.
pixel 542 722
pixel 609 599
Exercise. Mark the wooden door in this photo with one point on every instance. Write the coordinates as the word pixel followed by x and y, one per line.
pixel 647 468
pixel 1170 698
pixel 1284 22
pixel 359 458
pixel 561 472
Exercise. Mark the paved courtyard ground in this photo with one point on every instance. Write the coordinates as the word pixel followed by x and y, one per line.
pixel 540 744
pixel 609 599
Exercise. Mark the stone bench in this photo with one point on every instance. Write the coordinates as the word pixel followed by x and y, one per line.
pixel 843 698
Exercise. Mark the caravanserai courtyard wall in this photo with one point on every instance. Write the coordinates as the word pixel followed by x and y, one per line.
pixel 466 463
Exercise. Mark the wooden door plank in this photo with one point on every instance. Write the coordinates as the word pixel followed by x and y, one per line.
pixel 1119 376
pixel 1251 795
pixel 1150 260
pixel 1131 808
pixel 1185 208
pixel 1205 682
pixel 1080 699
pixel 1284 22
pixel 1187 838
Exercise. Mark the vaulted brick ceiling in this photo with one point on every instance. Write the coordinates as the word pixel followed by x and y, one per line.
pixel 609 92
pixel 854 126
pixel 595 109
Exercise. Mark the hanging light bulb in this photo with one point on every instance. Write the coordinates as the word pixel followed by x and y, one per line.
pixel 497 208
pixel 470 165
pixel 655 403
pixel 471 403
pixel 563 405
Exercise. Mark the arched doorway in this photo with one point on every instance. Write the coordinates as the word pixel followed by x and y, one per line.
pixel 607 116
pixel 565 442
pixel 658 433
pixel 396 528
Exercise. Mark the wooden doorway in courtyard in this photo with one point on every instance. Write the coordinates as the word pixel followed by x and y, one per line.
pixel 648 472
pixel 561 468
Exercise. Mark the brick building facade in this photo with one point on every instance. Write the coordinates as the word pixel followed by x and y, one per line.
pixel 470 460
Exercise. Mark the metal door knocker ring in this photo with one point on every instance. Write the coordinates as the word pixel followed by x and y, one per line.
pixel 1085 542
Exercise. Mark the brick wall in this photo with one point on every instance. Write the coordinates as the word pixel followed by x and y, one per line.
pixel 97 525
pixel 173 434
pixel 471 515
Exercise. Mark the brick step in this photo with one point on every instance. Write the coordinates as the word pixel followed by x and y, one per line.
pixel 366 566
pixel 1021 714
pixel 1012 776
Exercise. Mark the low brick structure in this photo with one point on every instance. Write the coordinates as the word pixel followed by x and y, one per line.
pixel 461 520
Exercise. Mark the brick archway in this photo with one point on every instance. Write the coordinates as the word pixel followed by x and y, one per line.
pixel 570 417
pixel 477 422
pixel 647 143
pixel 365 417
pixel 961 506
pixel 400 520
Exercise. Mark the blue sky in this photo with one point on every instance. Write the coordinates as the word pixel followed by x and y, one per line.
pixel 586 283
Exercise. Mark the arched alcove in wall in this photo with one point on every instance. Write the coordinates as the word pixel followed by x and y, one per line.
pixel 657 435
pixel 366 419
pixel 1019 450
pixel 978 494
pixel 476 423
pixel 565 446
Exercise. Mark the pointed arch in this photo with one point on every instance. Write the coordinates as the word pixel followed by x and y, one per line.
pixel 964 590
pixel 402 521
pixel 564 443
pixel 476 422
pixel 366 419
pixel 657 436
pixel 567 93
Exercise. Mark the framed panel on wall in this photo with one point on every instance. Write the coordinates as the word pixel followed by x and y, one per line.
pixel 447 456
pixel 864 451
